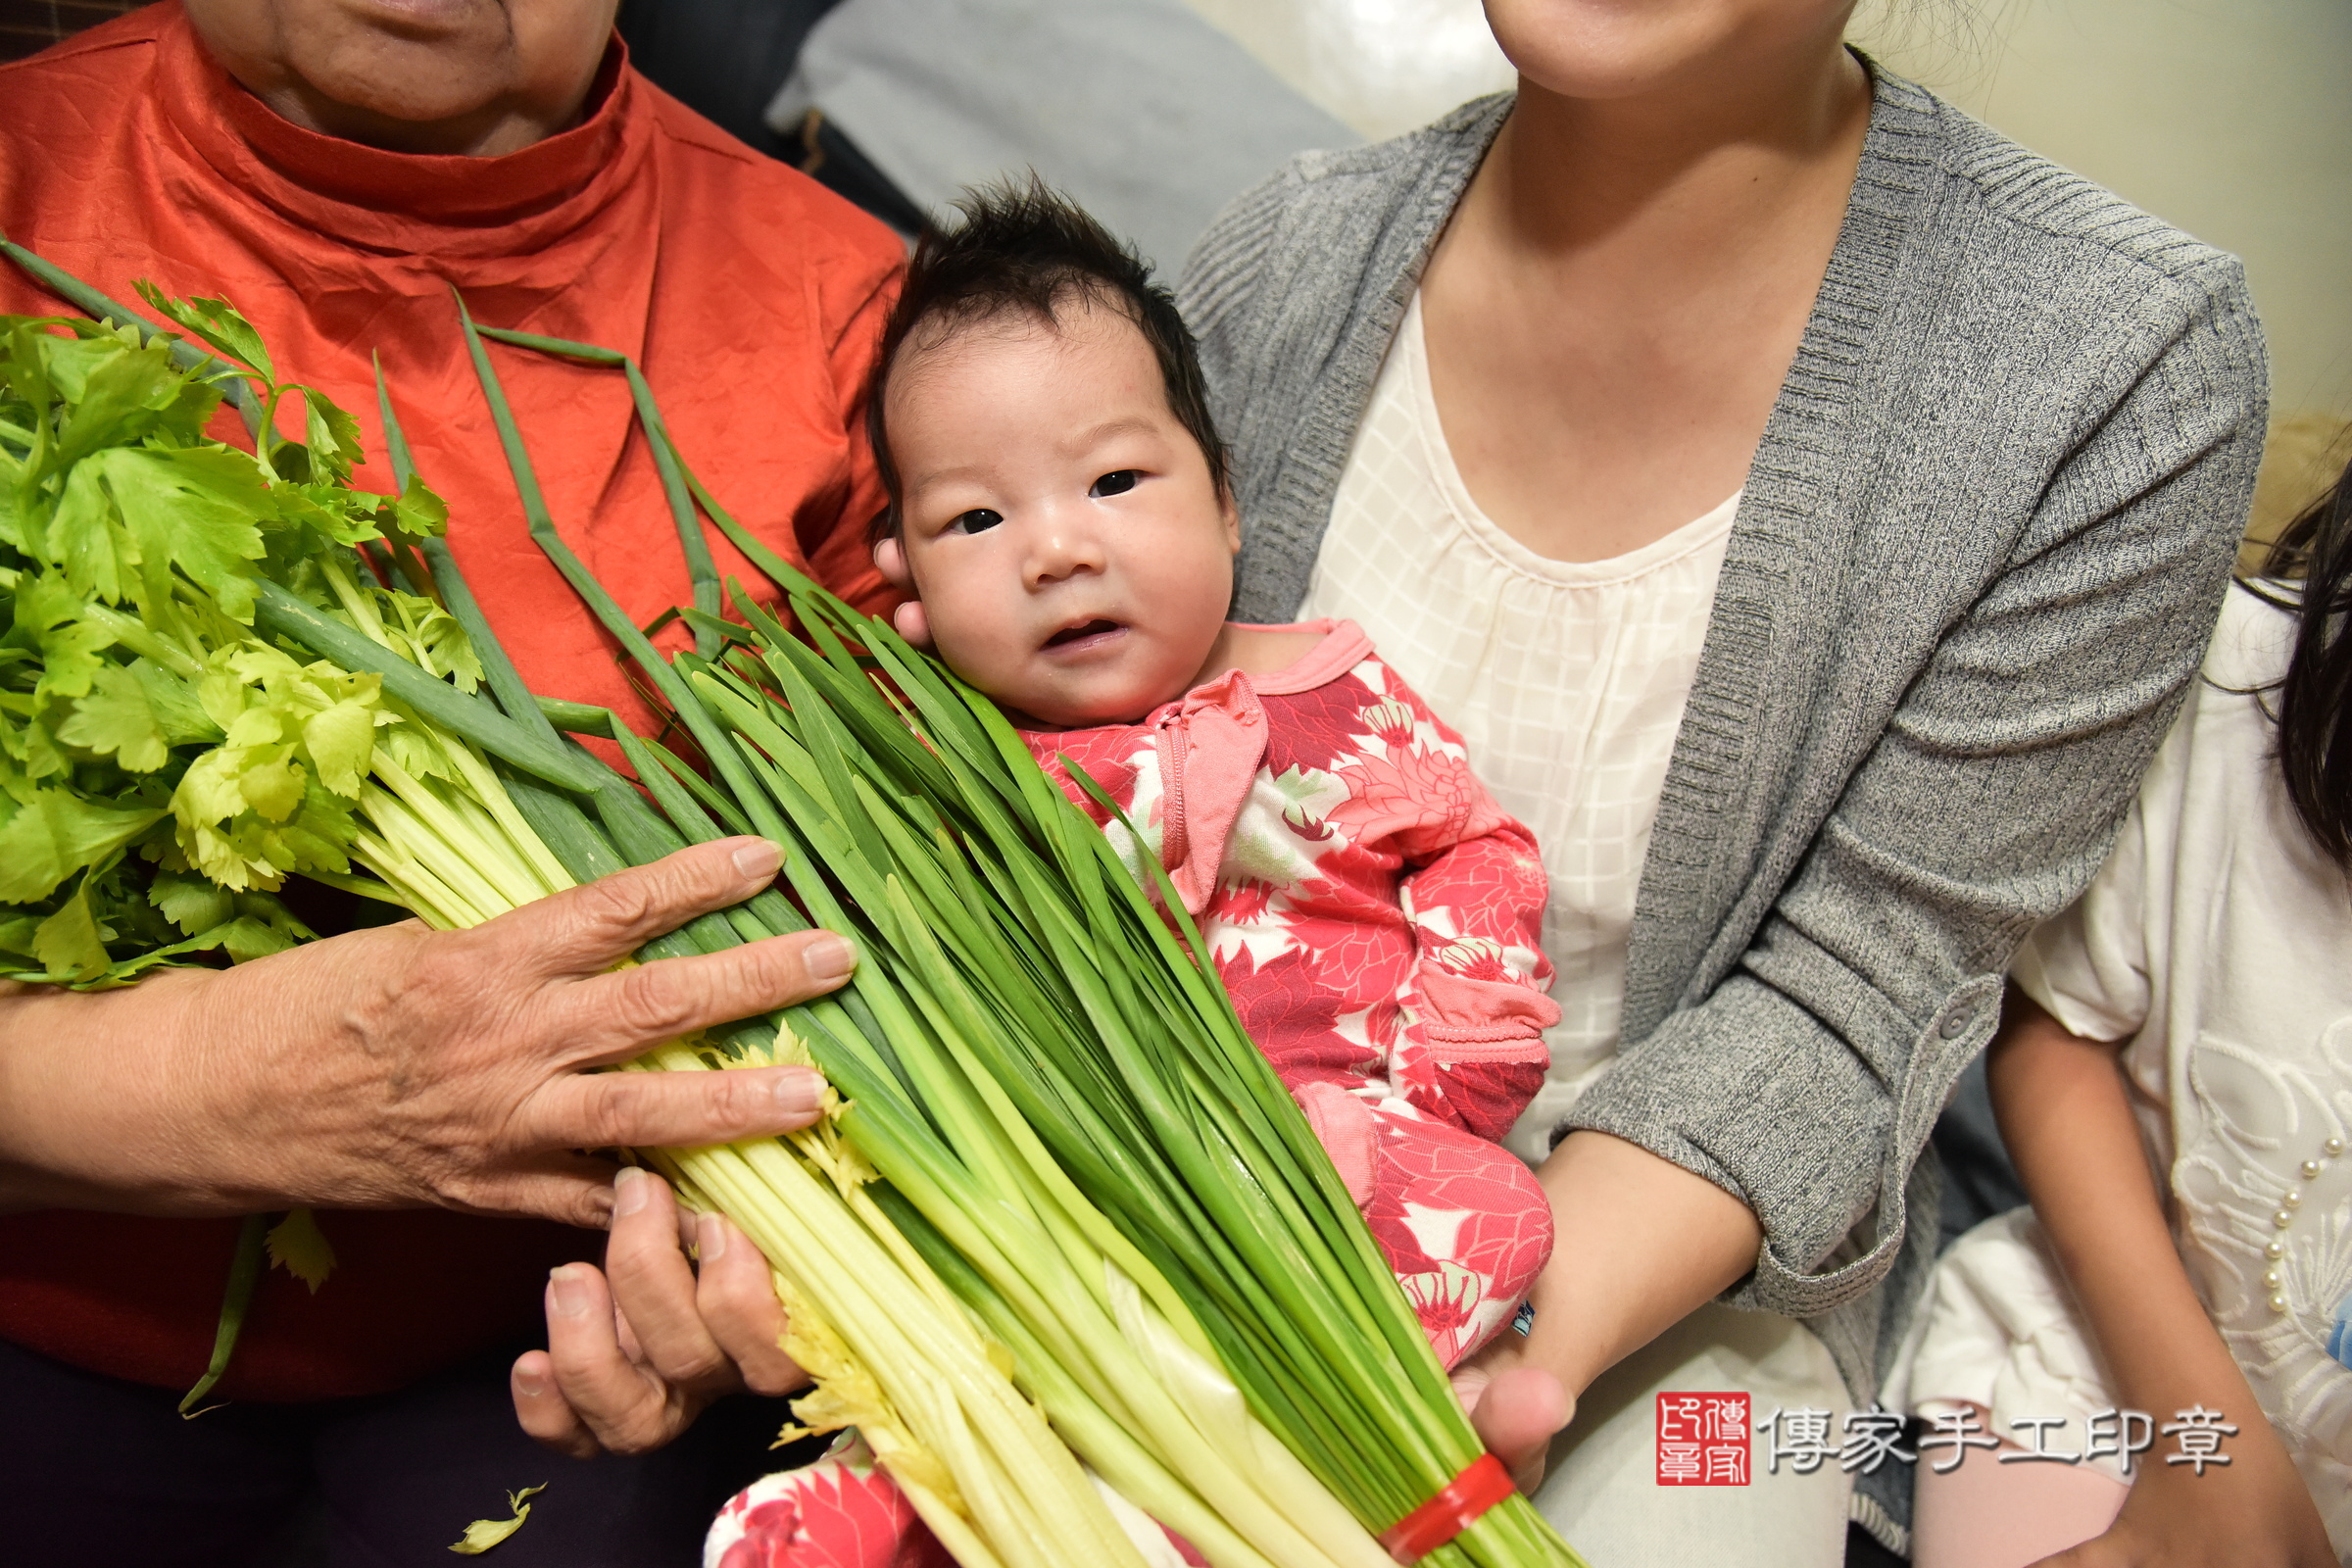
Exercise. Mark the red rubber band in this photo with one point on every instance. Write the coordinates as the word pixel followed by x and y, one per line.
pixel 1450 1513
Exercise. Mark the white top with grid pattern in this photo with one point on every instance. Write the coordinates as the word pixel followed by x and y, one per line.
pixel 1567 680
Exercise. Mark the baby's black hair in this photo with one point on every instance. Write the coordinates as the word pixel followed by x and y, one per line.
pixel 1024 248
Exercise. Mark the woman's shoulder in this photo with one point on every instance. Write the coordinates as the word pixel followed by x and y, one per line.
pixel 2005 203
pixel 112 44
pixel 91 79
pixel 1329 177
pixel 780 217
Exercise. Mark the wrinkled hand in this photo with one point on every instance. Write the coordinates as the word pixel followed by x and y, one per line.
pixel 2255 1513
pixel 630 1364
pixel 1516 1410
pixel 403 1067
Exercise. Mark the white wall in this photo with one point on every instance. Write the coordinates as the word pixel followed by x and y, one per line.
pixel 1380 67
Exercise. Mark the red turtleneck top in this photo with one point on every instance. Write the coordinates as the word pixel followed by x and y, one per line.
pixel 754 300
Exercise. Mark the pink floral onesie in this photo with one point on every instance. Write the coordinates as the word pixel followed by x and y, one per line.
pixel 1374 915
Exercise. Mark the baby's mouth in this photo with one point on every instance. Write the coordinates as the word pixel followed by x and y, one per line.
pixel 1084 631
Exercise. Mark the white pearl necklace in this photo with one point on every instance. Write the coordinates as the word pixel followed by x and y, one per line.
pixel 2274 1250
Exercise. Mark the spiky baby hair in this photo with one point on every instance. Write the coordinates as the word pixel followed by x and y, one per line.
pixel 1025 249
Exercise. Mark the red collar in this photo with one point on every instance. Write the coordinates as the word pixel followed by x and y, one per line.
pixel 406 203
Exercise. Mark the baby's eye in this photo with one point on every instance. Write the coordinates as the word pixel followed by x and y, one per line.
pixel 1115 483
pixel 977 520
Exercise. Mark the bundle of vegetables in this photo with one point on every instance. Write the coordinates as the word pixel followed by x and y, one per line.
pixel 1061 1110
pixel 204 688
pixel 1062 1164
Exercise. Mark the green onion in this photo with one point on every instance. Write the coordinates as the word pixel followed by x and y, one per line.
pixel 1071 1126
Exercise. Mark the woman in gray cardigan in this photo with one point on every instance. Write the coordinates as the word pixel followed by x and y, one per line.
pixel 1988 436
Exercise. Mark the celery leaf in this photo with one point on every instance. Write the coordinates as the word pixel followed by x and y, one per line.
pixel 332 435
pixel 69 942
pixel 217 322
pixel 483 1534
pixel 297 1246
pixel 190 903
pixel 113 716
pixel 195 509
pixel 56 834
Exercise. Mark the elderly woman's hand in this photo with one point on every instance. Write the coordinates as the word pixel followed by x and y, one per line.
pixel 402 1067
pixel 630 1362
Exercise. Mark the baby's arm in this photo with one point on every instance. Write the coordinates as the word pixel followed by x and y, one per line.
pixel 2061 1103
pixel 1475 1055
pixel 1473 1052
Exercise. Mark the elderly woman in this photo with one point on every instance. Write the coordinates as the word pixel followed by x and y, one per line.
pixel 334 168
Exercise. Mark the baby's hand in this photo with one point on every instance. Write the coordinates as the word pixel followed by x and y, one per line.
pixel 1515 1409
pixel 890 559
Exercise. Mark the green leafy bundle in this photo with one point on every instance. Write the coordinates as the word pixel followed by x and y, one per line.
pixel 1065 1167
pixel 172 747
pixel 1053 1100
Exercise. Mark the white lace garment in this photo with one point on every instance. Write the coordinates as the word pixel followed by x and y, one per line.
pixel 2217 941
pixel 1566 679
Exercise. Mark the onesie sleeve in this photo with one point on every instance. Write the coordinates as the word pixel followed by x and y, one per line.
pixel 1472 1050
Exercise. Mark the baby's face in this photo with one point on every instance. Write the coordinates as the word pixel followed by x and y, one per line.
pixel 1073 558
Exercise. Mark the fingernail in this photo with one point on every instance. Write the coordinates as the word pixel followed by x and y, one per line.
pixel 571 1295
pixel 799 1092
pixel 710 1239
pixel 760 859
pixel 529 1385
pixel 829 960
pixel 628 1189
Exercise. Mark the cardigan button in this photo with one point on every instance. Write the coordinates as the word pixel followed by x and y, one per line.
pixel 1955 1022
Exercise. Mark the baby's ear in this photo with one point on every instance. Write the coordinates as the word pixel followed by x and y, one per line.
pixel 890 560
pixel 913 623
pixel 1227 513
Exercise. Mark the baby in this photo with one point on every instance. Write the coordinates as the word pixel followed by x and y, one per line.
pixel 1060 511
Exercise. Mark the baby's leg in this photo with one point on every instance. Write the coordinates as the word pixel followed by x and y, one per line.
pixel 830 1514
pixel 844 1512
pixel 1464 1225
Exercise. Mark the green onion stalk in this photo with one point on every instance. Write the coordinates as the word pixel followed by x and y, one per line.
pixel 1065 1117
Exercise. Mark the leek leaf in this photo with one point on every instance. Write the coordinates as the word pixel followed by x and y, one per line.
pixel 244 1275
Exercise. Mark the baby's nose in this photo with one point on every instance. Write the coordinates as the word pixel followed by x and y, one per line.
pixel 1066 547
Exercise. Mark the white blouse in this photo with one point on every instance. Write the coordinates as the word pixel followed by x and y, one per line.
pixel 1567 680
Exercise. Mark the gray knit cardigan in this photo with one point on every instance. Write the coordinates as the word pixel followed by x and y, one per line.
pixel 1984 540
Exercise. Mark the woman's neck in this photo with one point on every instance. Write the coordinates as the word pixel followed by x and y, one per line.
pixel 1617 299
pixel 1714 153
